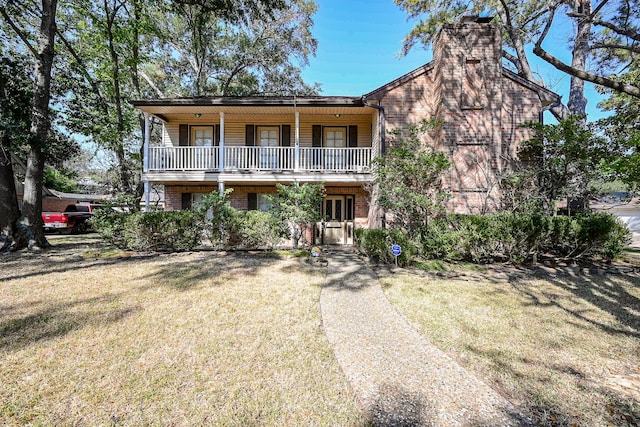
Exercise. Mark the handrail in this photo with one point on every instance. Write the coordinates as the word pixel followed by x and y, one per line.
pixel 256 158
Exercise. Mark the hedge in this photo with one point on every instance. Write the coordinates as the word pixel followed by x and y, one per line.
pixel 151 231
pixel 255 229
pixel 185 230
pixel 516 237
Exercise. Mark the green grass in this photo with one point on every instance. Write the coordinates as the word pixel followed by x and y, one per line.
pixel 185 339
pixel 557 347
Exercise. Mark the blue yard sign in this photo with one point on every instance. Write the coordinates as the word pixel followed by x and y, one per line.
pixel 396 250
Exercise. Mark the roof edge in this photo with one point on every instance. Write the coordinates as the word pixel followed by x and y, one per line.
pixel 278 101
pixel 423 69
pixel 546 96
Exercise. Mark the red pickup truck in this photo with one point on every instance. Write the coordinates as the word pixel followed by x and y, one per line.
pixel 75 218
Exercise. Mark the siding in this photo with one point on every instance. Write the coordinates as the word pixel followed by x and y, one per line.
pixel 234 130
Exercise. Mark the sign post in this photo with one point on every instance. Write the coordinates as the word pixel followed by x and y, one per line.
pixel 396 250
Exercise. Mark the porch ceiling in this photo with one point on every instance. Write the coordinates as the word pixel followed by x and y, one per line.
pixel 171 113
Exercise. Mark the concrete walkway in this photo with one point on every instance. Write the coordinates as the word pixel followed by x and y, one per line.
pixel 400 378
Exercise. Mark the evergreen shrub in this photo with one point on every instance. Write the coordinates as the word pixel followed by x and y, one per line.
pixel 501 236
pixel 255 229
pixel 151 231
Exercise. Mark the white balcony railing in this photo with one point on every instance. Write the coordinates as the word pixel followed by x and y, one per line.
pixel 260 159
pixel 335 159
pixel 184 158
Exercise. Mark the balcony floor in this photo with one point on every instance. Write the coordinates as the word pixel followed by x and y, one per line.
pixel 255 177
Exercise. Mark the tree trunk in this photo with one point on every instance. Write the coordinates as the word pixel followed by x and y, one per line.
pixel 8 199
pixel 577 101
pixel 139 190
pixel 123 170
pixel 30 229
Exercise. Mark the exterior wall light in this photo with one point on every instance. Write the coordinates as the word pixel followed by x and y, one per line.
pixel 197 115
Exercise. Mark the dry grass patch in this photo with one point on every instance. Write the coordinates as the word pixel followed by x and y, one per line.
pixel 565 349
pixel 188 339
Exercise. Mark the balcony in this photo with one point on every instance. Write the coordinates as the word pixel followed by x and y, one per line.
pixel 260 159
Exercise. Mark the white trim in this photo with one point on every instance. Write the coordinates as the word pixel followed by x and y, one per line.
pixel 297 143
pixel 147 195
pixel 176 177
pixel 221 145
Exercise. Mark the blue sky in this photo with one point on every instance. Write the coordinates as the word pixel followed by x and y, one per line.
pixel 359 42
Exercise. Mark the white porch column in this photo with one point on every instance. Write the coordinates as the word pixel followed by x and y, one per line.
pixel 145 160
pixel 221 146
pixel 297 143
pixel 221 187
pixel 147 195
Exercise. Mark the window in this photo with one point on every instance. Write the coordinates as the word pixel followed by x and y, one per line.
pixel 334 137
pixel 202 136
pixel 268 136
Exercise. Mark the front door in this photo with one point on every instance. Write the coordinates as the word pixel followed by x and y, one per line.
pixel 337 227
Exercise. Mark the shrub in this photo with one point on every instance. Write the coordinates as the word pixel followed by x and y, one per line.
pixel 599 235
pixel 376 244
pixel 218 213
pixel 517 237
pixel 152 231
pixel 440 241
pixel 111 226
pixel 255 229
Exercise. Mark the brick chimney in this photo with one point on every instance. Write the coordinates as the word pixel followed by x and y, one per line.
pixel 468 98
pixel 468 81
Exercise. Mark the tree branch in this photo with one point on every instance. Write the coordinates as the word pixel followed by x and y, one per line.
pixel 634 49
pixel 18 31
pixel 547 27
pixel 150 82
pixel 83 69
pixel 597 9
pixel 623 32
pixel 513 59
pixel 590 77
pixel 234 72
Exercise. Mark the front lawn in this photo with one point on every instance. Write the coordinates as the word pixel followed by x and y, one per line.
pixel 94 337
pixel 566 348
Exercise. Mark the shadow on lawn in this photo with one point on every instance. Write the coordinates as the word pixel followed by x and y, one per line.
pixel 397 407
pixel 47 321
pixel 58 320
pixel 585 297
pixel 184 275
pixel 544 411
pixel 45 266
pixel 603 292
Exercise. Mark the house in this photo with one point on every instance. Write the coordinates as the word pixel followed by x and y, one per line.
pixel 624 206
pixel 250 144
